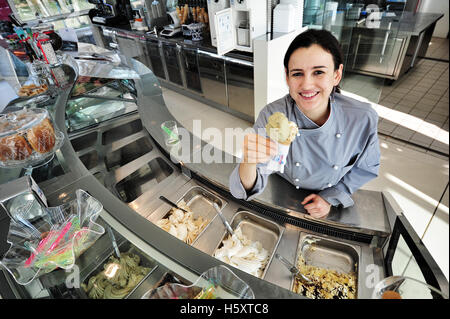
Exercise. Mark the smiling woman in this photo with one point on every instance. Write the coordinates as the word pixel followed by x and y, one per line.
pixel 336 150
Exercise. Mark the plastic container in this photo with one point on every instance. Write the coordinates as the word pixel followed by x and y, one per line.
pixel 53 238
pixel 215 283
pixel 28 138
pixel 284 18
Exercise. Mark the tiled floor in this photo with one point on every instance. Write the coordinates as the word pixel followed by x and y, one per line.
pixel 417 180
pixel 420 97
pixel 438 49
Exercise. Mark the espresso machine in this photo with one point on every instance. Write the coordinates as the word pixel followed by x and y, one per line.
pixel 111 12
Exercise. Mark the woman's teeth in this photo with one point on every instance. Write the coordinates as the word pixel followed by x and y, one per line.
pixel 308 95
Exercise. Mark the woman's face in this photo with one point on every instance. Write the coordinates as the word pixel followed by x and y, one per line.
pixel 311 78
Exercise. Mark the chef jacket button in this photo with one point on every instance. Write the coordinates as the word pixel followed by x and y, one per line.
pixel 296 180
pixel 335 167
pixel 297 164
pixel 329 185
pixel 297 187
pixel 338 135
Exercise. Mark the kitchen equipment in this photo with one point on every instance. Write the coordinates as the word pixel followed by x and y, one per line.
pixel 328 254
pixel 236 27
pixel 213 7
pixel 111 12
pixel 174 27
pixel 294 270
pixel 256 228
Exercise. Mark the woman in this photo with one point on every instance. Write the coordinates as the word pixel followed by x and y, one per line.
pixel 336 150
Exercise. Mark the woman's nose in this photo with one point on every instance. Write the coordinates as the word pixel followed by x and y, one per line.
pixel 307 82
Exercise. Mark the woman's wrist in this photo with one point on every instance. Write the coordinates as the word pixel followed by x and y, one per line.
pixel 247 174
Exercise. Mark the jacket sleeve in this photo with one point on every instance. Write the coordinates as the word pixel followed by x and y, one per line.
pixel 364 170
pixel 236 187
pixel 238 190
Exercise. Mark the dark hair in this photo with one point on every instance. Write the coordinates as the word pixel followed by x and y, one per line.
pixel 323 38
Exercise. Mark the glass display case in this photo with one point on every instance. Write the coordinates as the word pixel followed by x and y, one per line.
pixel 368 32
pixel 28 10
pixel 123 162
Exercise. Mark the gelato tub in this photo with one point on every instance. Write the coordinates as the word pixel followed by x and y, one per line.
pixel 190 226
pixel 262 236
pixel 331 265
pixel 117 278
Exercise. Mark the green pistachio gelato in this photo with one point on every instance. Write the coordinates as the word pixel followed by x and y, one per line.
pixel 117 284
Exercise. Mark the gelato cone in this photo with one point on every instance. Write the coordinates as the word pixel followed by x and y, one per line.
pixel 280 129
pixel 283 131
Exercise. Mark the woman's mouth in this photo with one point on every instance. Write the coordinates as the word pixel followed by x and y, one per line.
pixel 308 95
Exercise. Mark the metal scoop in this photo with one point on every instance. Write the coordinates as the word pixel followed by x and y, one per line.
pixel 294 270
pixel 224 221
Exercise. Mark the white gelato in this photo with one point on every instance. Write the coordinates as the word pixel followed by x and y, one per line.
pixel 183 225
pixel 240 252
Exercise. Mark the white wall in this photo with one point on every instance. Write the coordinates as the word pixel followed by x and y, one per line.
pixel 437 6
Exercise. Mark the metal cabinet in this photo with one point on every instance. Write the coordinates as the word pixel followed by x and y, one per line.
pixel 191 69
pixel 239 76
pixel 212 77
pixel 171 57
pixel 156 61
pixel 377 51
pixel 132 47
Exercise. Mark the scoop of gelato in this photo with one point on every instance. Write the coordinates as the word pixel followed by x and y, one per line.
pixel 242 253
pixel 280 129
pixel 118 279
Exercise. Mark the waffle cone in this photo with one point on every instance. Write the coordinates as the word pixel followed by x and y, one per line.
pixel 286 142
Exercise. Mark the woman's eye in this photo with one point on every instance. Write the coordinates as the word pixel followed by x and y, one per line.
pixel 318 72
pixel 297 74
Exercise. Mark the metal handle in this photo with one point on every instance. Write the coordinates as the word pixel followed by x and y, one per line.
pixel 225 222
pixel 285 262
pixel 164 199
pixel 294 270
pixel 113 239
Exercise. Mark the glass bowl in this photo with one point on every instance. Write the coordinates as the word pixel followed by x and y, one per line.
pixel 401 287
pixel 215 283
pixel 28 138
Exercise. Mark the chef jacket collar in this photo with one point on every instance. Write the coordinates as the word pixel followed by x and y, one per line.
pixel 311 127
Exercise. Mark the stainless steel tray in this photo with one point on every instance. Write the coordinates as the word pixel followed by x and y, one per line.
pixel 200 201
pixel 329 254
pixel 125 247
pixel 257 228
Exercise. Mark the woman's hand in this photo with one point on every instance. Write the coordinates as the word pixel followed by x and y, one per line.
pixel 258 149
pixel 318 207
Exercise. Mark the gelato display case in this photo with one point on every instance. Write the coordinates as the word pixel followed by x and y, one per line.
pixel 115 151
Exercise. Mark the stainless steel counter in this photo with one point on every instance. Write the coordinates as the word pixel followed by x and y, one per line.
pixel 392 46
pixel 129 187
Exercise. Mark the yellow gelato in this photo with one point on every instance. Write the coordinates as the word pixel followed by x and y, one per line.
pixel 280 129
